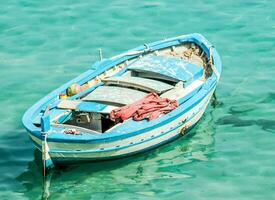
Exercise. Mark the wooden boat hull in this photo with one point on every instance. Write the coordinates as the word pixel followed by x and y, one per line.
pixel 62 148
pixel 75 152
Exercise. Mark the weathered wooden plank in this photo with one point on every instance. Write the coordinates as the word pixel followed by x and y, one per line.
pixel 170 67
pixel 114 95
pixel 140 83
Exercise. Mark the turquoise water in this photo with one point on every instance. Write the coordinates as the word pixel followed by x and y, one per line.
pixel 230 153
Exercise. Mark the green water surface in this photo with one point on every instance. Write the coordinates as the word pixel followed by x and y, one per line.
pixel 230 153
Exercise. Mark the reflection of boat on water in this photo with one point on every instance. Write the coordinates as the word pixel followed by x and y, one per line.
pixel 182 71
pixel 93 180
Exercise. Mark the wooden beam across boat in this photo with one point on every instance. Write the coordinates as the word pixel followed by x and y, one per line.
pixel 113 95
pixel 85 106
pixel 145 84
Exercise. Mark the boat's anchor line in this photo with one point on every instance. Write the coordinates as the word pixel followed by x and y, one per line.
pixel 100 54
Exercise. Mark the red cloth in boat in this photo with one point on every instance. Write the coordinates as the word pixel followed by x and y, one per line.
pixel 150 107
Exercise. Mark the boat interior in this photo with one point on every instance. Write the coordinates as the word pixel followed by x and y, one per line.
pixel 167 72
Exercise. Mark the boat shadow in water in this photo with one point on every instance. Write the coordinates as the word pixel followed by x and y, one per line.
pixel 267 125
pixel 234 119
pixel 98 179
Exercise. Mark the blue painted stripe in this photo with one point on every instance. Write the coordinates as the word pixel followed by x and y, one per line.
pixel 116 147
pixel 63 160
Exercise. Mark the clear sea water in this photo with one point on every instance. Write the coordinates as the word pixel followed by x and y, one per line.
pixel 230 153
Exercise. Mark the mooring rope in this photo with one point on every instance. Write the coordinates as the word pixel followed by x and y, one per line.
pixel 214 69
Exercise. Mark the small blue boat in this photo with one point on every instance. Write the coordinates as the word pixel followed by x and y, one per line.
pixel 72 123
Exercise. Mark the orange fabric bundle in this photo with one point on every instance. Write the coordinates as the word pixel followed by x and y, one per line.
pixel 150 107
